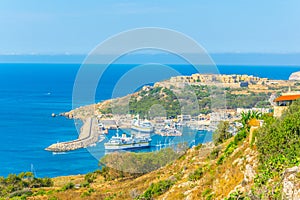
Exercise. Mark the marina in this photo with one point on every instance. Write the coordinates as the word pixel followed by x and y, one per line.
pixel 139 135
pixel 95 134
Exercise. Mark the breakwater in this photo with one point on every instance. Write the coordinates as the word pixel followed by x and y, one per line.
pixel 89 135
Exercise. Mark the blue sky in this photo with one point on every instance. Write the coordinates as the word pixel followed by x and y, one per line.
pixel 76 27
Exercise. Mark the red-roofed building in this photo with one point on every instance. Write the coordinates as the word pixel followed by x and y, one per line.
pixel 284 101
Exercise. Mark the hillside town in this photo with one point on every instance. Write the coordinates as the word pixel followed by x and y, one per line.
pixel 279 94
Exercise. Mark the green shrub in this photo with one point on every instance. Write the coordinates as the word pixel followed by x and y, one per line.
pixel 206 192
pixel 156 189
pixel 87 193
pixel 111 197
pixel 198 147
pixel 241 135
pixel 40 192
pixel 21 193
pixel 210 197
pixel 214 153
pixel 85 184
pixel 196 175
pixel 222 133
pixel 90 177
pixel 221 160
pixel 230 148
pixel 135 164
pixel 227 152
pixel 237 195
pixel 16 185
pixel 278 144
pixel 68 186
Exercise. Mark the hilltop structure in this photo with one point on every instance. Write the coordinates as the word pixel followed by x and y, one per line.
pixel 283 101
pixel 234 81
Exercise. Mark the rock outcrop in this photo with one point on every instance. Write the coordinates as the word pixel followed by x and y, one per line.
pixel 291 184
pixel 295 76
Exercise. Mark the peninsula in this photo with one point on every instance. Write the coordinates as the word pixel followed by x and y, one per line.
pixel 242 93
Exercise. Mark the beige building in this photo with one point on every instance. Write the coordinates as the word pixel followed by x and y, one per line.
pixel 222 78
pixel 284 101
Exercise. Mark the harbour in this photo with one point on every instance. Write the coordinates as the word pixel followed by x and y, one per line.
pixel 130 133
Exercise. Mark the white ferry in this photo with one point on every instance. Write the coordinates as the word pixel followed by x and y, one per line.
pixel 125 142
pixel 142 126
pixel 169 131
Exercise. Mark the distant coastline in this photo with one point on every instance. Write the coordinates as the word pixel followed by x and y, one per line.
pixel 255 59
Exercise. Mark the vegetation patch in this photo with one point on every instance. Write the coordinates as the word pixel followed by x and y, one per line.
pixel 175 99
pixel 126 164
pixel 215 153
pixel 68 186
pixel 196 175
pixel 87 193
pixel 222 133
pixel 278 144
pixel 21 185
pixel 156 189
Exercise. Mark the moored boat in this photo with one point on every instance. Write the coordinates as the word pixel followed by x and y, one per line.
pixel 143 126
pixel 169 131
pixel 124 142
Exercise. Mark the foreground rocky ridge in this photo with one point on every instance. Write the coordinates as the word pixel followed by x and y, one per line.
pixel 217 181
pixel 230 170
pixel 233 179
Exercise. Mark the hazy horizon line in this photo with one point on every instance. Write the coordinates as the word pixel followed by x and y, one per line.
pixel 139 53
pixel 265 59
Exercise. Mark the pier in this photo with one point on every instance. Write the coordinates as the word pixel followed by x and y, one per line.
pixel 89 134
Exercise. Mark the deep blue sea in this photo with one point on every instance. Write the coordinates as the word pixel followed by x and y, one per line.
pixel 29 93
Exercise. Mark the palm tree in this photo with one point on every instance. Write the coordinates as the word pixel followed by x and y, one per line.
pixel 247 116
pixel 256 115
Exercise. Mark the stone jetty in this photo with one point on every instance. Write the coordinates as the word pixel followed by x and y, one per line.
pixel 89 135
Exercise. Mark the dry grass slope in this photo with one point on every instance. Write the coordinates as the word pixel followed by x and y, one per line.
pixel 216 181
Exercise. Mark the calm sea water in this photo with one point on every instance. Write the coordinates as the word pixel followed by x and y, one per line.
pixel 29 93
